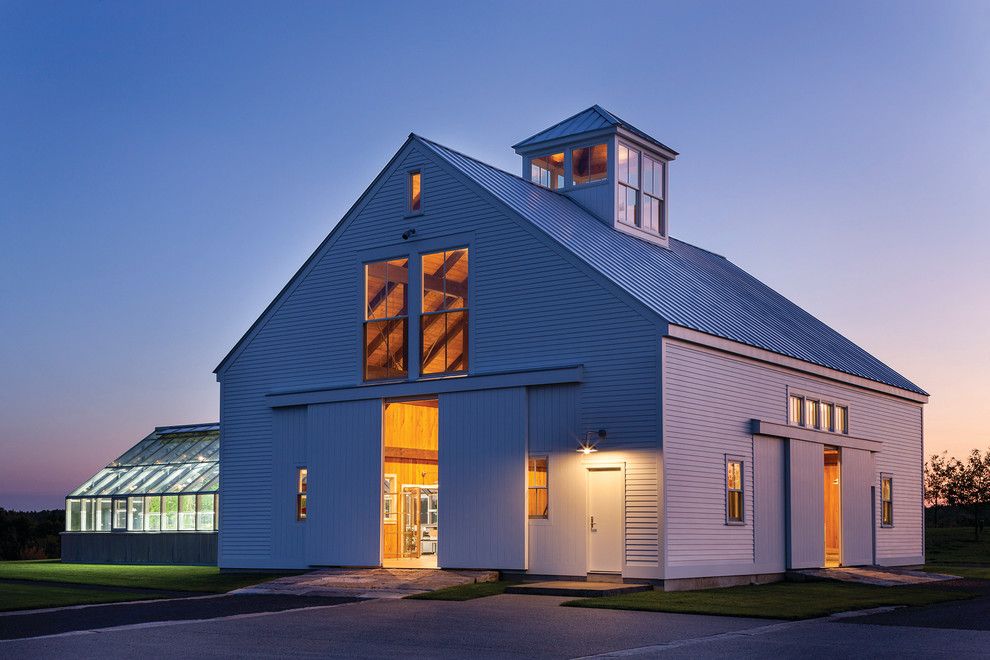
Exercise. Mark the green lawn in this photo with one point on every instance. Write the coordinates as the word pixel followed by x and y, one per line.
pixel 36 596
pixel 465 591
pixel 174 578
pixel 781 600
pixel 956 545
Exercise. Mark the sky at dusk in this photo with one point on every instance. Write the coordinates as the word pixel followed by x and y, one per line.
pixel 166 167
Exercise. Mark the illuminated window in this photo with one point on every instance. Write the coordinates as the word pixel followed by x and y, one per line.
pixel 652 211
pixel 589 164
pixel 548 171
pixel 817 414
pixel 842 419
pixel 733 491
pixel 187 512
pixel 120 513
pixel 415 192
pixel 301 494
pixel 827 416
pixel 796 410
pixel 539 499
pixel 386 319
pixel 444 321
pixel 103 508
pixel 627 172
pixel 170 513
pixel 135 514
pixel 811 410
pixel 73 517
pixel 152 513
pixel 206 506
pixel 886 501
pixel 389 496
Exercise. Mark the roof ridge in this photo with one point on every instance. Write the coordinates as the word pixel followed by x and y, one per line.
pixel 597 108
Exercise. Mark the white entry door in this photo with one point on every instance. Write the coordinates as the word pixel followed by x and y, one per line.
pixel 605 495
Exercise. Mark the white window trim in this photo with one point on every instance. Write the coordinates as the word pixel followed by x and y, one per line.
pixel 820 398
pixel 538 520
pixel 730 458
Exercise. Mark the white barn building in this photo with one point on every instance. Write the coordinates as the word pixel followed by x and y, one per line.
pixel 480 370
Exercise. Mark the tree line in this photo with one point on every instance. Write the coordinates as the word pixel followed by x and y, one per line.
pixel 31 534
pixel 951 483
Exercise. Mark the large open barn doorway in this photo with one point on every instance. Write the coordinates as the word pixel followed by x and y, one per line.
pixel 410 488
pixel 833 506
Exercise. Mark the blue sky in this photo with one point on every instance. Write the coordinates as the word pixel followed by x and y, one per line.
pixel 166 167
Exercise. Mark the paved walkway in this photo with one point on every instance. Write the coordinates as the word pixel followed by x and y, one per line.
pixel 875 575
pixel 369 582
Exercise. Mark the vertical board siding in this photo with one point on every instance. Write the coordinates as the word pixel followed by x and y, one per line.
pixel 806 486
pixel 289 440
pixel 531 307
pixel 769 510
pixel 709 398
pixel 856 480
pixel 344 448
pixel 482 451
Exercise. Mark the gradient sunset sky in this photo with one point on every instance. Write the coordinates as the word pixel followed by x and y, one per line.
pixel 166 167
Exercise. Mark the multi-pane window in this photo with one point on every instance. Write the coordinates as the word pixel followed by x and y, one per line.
pixel 443 324
pixel 733 491
pixel 389 497
pixel 539 500
pixel 103 512
pixel 817 414
pixel 120 513
pixel 187 512
pixel 135 514
pixel 206 507
pixel 170 513
pixel 652 211
pixel 301 494
pixel 886 501
pixel 627 172
pixel 142 513
pixel 415 192
pixel 386 323
pixel 152 513
pixel 548 171
pixel 589 164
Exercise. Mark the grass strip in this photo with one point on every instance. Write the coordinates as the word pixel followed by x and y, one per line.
pixel 781 600
pixel 465 591
pixel 37 596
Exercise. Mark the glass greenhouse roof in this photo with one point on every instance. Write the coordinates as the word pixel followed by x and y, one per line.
pixel 173 459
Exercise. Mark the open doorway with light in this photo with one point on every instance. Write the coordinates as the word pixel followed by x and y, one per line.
pixel 410 487
pixel 833 507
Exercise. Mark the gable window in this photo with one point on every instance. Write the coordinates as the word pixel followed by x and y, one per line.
pixel 886 500
pixel 817 414
pixel 733 491
pixel 627 172
pixel 386 324
pixel 415 192
pixel 652 212
pixel 589 164
pixel 539 500
pixel 444 321
pixel 301 494
pixel 548 171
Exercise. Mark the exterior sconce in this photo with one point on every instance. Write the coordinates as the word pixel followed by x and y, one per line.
pixel 590 443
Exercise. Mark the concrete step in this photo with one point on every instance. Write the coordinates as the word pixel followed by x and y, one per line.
pixel 576 589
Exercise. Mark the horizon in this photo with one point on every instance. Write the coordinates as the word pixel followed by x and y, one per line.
pixel 160 185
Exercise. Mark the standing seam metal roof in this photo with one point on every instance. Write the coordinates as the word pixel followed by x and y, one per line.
pixel 685 285
pixel 593 119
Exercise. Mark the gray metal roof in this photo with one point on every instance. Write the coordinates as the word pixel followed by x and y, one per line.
pixel 593 119
pixel 172 459
pixel 684 285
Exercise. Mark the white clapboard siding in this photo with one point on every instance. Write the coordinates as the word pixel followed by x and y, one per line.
pixel 709 398
pixel 531 306
pixel 482 472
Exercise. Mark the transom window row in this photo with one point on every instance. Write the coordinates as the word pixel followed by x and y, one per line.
pixel 443 315
pixel 813 413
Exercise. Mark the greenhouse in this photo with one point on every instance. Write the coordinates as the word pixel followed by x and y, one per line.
pixel 156 503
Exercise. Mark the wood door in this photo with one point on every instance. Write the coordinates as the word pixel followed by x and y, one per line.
pixel 605 496
pixel 833 506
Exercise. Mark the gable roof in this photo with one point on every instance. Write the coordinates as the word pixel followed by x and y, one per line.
pixel 593 119
pixel 684 285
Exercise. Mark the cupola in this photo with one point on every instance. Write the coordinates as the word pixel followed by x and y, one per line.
pixel 608 166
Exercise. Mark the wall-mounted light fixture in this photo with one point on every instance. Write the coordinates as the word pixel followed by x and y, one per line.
pixel 590 443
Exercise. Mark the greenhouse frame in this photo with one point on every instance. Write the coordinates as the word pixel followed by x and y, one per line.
pixel 156 503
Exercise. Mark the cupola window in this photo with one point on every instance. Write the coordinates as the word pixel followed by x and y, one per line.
pixel 589 164
pixel 627 171
pixel 652 195
pixel 548 171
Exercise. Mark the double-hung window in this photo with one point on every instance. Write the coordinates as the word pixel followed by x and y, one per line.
pixel 652 206
pixel 627 172
pixel 386 324
pixel 443 325
pixel 886 500
pixel 538 486
pixel 733 491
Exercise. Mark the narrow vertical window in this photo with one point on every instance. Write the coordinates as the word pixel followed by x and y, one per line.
pixel 73 517
pixel 589 164
pixel 538 488
pixel 170 513
pixel 444 321
pixel 187 513
pixel 827 416
pixel 733 491
pixel 120 513
pixel 811 410
pixel 301 494
pixel 627 172
pixel 415 192
pixel 135 514
pixel 386 324
pixel 548 171
pixel 389 496
pixel 206 506
pixel 152 513
pixel 842 419
pixel 652 212
pixel 886 501
pixel 103 512
pixel 796 407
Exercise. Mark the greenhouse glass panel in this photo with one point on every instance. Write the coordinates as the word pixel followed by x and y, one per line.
pixel 72 515
pixel 152 513
pixel 135 516
pixel 170 517
pixel 206 505
pixel 187 512
pixel 103 512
